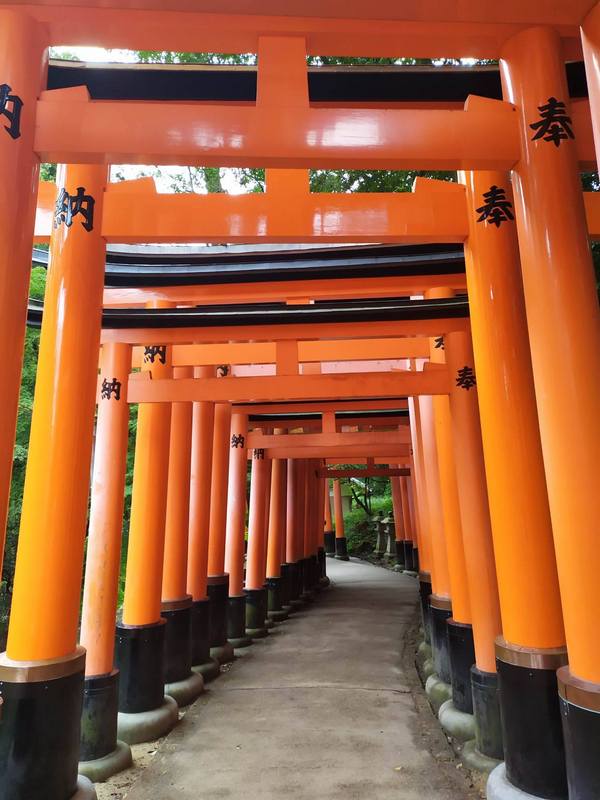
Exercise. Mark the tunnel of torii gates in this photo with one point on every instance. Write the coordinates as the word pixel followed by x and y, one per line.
pixel 487 410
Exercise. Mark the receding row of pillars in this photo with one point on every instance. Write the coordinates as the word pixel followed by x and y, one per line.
pixel 525 484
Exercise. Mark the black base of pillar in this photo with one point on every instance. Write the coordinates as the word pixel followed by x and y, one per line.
pixel 461 652
pixel 99 716
pixel 415 554
pixel 486 710
pixel 40 730
pixel 236 622
pixel 295 583
pixel 284 585
pixel 311 574
pixel 440 611
pixel 581 730
pixel 407 546
pixel 200 632
pixel 322 561
pixel 256 613
pixel 275 609
pixel 425 594
pixel 218 593
pixel 341 548
pixel 400 555
pixel 531 727
pixel 329 541
pixel 178 640
pixel 140 658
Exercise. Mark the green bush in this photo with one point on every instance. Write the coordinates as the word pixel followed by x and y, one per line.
pixel 360 528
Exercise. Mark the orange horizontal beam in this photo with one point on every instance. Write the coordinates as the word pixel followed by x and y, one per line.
pixel 361 404
pixel 282 291
pixel 134 212
pixel 325 330
pixel 350 454
pixel 312 424
pixel 414 31
pixel 265 441
pixel 370 472
pixel 272 136
pixel 290 387
pixel 198 355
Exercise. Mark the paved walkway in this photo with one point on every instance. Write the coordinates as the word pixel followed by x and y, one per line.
pixel 327 707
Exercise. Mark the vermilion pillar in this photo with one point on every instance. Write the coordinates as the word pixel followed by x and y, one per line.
pixel 440 601
pixel 203 421
pixel 411 552
pixel 422 518
pixel 399 530
pixel 218 580
pixel 322 491
pixel 103 564
pixel 256 593
pixel 176 608
pixel 590 35
pixel 533 642
pixel 23 65
pixel 341 546
pixel 456 634
pixel 292 551
pixel 42 699
pixel 564 332
pixel 309 537
pixel 480 686
pixel 141 634
pixel 236 531
pixel 277 578
pixel 329 535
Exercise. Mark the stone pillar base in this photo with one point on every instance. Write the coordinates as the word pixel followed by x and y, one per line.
pixel 209 670
pixel 184 692
pixel 101 769
pixel 146 726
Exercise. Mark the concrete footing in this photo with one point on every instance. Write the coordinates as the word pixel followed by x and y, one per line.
pixel 186 691
pixel 278 616
pixel 473 759
pixel 458 724
pixel 437 691
pixel 85 790
pixel 146 726
pixel 500 788
pixel 223 654
pixel 101 769
pixel 210 670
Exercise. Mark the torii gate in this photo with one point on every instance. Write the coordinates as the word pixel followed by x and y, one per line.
pixel 537 136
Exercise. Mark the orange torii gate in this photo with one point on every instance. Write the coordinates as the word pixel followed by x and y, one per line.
pixel 535 134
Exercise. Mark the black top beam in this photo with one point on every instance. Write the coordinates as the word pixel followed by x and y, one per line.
pixel 275 314
pixel 326 84
pixel 136 270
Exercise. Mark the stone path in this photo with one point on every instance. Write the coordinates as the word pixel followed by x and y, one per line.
pixel 327 707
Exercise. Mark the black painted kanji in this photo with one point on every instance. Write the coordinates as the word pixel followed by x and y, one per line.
pixel 109 388
pixel 496 209
pixel 154 351
pixel 465 378
pixel 258 454
pixel 69 206
pixel 439 343
pixel 554 124
pixel 237 440
pixel 12 113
